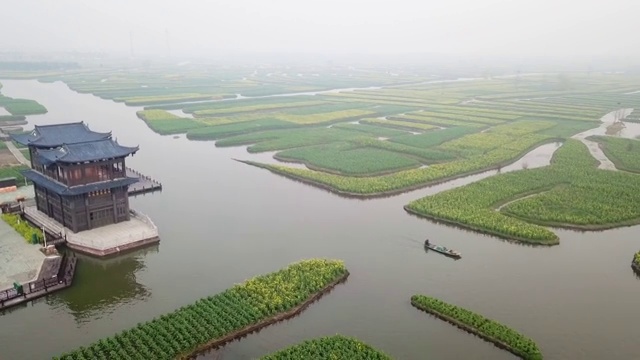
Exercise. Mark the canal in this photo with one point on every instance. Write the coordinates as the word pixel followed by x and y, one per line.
pixel 221 222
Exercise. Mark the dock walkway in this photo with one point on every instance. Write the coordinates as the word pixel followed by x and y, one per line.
pixel 144 185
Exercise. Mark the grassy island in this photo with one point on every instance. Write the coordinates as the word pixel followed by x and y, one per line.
pixel 487 329
pixel 330 347
pixel 18 110
pixel 571 193
pixel 218 319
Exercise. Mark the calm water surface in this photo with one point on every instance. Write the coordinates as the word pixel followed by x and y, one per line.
pixel 222 221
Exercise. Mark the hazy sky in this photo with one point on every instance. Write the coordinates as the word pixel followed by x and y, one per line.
pixel 501 27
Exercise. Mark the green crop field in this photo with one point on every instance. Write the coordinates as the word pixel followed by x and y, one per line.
pixel 399 181
pixel 391 133
pixel 20 107
pixel 412 126
pixel 433 138
pixel 345 159
pixel 290 138
pixel 370 129
pixel 166 123
pixel 573 193
pixel 478 324
pixel 179 333
pixel 328 348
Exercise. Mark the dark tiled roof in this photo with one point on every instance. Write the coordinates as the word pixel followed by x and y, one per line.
pixel 62 189
pixel 56 135
pixel 87 151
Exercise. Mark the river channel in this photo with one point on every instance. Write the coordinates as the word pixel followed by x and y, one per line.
pixel 222 221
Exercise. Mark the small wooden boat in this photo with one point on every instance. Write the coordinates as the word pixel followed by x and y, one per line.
pixel 442 250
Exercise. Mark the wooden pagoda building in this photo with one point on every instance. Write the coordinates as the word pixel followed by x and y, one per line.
pixel 79 176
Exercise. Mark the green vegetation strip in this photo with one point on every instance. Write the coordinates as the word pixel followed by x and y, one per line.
pixel 328 348
pixel 487 329
pixel 571 193
pixel 21 106
pixel 399 124
pixel 433 138
pixel 221 318
pixel 234 129
pixel 31 234
pixel 165 123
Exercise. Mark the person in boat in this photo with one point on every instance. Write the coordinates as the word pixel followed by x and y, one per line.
pixel 426 242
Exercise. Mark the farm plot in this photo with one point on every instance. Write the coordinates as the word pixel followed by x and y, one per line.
pixel 168 99
pixel 347 159
pixel 328 348
pixel 462 117
pixel 332 116
pixel 379 131
pixel 253 303
pixel 573 194
pixel 424 155
pixel 417 117
pixel 558 112
pixel 487 329
pixel 433 138
pixel 406 125
pixel 235 108
pixel 409 179
pixel 212 132
pixel 165 123
pixel 498 136
pixel 21 107
pixel 290 138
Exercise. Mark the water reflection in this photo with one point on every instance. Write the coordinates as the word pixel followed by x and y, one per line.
pixel 102 285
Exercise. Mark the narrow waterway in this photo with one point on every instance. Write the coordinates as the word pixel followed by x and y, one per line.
pixel 611 124
pixel 222 221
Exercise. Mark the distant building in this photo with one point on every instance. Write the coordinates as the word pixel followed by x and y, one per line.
pixel 79 175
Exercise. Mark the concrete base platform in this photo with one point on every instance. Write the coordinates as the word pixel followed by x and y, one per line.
pixel 19 262
pixel 106 240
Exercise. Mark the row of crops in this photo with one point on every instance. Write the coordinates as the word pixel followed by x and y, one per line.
pixel 573 193
pixel 330 347
pixel 250 303
pixel 478 324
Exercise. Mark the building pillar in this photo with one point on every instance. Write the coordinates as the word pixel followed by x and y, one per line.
pixel 86 210
pixel 114 204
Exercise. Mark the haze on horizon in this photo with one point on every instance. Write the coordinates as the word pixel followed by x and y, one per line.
pixel 493 28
